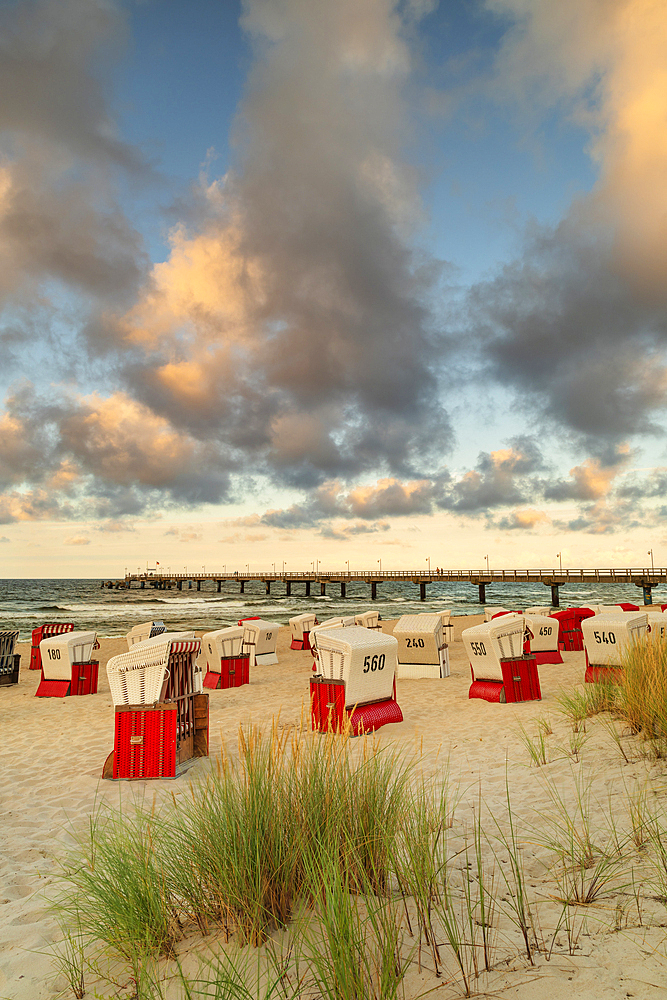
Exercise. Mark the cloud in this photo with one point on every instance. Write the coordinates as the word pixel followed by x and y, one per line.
pixel 77 540
pixel 501 477
pixel 115 527
pixel 577 326
pixel 522 520
pixel 346 531
pixel 592 480
pixel 295 323
pixel 4 539
pixel 241 538
pixel 102 456
pixel 59 151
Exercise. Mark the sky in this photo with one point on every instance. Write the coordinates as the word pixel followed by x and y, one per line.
pixel 318 281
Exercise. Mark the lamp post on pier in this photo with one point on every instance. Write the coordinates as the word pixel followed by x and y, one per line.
pixel 560 560
pixel 650 553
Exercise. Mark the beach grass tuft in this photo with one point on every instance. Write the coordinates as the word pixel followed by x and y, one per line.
pixel 642 701
pixel 322 866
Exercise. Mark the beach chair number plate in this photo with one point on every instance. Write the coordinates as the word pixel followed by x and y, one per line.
pixel 478 648
pixel 546 630
pixel 606 637
pixel 415 643
pixel 54 654
pixel 374 663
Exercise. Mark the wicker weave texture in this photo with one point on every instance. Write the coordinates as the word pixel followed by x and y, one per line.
pixel 364 659
pixel 60 652
pixel 606 637
pixel 137 677
pixel 489 642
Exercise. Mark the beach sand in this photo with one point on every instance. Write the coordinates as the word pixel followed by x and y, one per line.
pixel 53 751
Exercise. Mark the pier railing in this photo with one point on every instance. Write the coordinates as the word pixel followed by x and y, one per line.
pixel 546 576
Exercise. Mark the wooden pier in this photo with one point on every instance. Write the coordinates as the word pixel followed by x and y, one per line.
pixel 646 578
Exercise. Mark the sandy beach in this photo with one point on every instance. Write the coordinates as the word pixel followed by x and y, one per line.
pixel 54 749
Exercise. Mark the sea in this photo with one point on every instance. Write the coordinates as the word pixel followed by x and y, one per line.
pixel 27 604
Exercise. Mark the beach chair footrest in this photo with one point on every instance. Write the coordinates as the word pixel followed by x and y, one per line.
pixel 547 656
pixel 53 689
pixel 487 690
pixel 597 674
pixel 329 714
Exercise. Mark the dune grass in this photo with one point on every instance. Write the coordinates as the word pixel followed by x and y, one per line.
pixel 339 865
pixel 642 701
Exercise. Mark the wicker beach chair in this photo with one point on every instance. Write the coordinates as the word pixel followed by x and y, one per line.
pixel 146 630
pixel 43 632
pixel 259 641
pixel 368 619
pixel 606 638
pixel 161 720
pixel 501 671
pixel 422 650
pixel 355 684
pixel 301 626
pixel 543 638
pixel 222 655
pixel 10 662
pixel 67 665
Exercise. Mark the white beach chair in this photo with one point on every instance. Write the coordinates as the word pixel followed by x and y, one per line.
pixel 67 665
pixel 161 714
pixel 500 670
pixel 259 641
pixel 422 650
pixel 607 637
pixel 146 630
pixel 223 658
pixel 301 626
pixel 368 619
pixel 355 680
pixel 543 638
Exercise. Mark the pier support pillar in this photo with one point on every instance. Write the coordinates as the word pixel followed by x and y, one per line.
pixel 268 586
pixel 189 584
pixel 243 586
pixel 143 584
pixel 219 586
pixel 323 589
pixel 482 592
pixel 555 596
pixel 342 588
pixel 307 588
pixel 180 585
pixel 198 584
pixel 422 591
pixel 648 594
pixel 288 588
pixel 374 590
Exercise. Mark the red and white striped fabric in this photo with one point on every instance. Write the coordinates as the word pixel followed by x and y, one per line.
pixel 191 646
